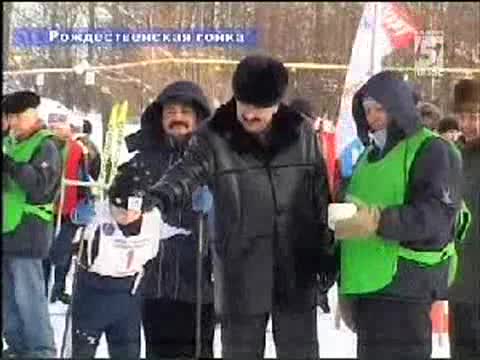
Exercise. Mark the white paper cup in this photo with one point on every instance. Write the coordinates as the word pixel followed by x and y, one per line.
pixel 340 211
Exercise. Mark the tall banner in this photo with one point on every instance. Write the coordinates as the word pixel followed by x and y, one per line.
pixel 383 27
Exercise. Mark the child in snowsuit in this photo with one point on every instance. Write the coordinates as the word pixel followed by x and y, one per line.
pixel 115 246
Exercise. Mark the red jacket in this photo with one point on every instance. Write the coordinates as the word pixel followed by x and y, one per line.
pixel 327 140
pixel 73 166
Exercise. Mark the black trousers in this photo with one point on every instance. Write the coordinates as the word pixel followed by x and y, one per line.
pixel 294 334
pixel 393 330
pixel 60 256
pixel 170 327
pixel 464 331
pixel 117 314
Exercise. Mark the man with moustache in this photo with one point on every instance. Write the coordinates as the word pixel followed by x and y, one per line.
pixel 269 184
pixel 170 278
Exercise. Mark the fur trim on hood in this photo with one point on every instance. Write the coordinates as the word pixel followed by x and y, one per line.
pixel 151 131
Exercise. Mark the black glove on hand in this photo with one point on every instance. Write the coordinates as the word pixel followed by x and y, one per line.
pixel 322 301
pixel 9 164
pixel 150 202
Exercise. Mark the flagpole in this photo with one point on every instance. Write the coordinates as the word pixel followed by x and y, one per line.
pixel 374 28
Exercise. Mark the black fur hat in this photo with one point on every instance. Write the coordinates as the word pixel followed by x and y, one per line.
pixel 18 102
pixel 260 80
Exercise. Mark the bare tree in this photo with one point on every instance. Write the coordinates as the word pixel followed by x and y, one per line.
pixel 7 16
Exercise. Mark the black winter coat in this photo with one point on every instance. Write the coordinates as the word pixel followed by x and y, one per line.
pixel 271 234
pixel 172 273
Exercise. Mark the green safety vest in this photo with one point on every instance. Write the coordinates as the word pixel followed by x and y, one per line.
pixel 14 198
pixel 369 265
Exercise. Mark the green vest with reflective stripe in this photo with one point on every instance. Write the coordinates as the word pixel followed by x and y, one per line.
pixel 368 265
pixel 14 197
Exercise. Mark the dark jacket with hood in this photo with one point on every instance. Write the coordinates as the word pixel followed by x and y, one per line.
pixel 271 234
pixel 426 221
pixel 172 274
pixel 93 158
pixel 466 288
pixel 40 178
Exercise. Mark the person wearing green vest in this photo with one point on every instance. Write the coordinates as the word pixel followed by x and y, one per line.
pixel 31 176
pixel 396 251
pixel 464 296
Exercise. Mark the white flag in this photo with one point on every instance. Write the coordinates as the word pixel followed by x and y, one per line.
pixel 383 27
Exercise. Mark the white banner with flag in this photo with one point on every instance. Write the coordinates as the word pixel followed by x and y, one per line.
pixel 383 27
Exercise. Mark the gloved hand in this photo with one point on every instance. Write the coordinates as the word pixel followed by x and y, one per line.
pixel 149 202
pixel 8 164
pixel 202 199
pixel 83 213
pixel 322 301
pixel 346 310
pixel 363 224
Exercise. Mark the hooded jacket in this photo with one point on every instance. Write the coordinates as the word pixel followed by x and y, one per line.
pixel 271 233
pixel 172 273
pixel 426 221
pixel 93 157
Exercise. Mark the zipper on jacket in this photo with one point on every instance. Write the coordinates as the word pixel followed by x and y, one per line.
pixel 177 273
pixel 160 266
pixel 177 262
pixel 162 246
pixel 275 232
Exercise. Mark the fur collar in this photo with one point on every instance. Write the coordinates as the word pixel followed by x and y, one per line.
pixel 285 129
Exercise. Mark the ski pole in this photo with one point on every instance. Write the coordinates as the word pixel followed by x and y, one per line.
pixel 198 332
pixel 201 204
pixel 68 318
pixel 60 207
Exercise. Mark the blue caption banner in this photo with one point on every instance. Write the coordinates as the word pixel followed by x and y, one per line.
pixel 44 37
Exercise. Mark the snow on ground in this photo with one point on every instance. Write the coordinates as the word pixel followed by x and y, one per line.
pixel 333 343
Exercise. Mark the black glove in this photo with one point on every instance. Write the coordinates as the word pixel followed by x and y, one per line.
pixel 9 164
pixel 328 271
pixel 150 202
pixel 322 301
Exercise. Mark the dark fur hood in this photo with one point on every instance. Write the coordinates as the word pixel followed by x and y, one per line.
pixel 151 133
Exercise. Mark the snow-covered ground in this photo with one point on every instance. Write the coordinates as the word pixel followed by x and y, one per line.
pixel 333 343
